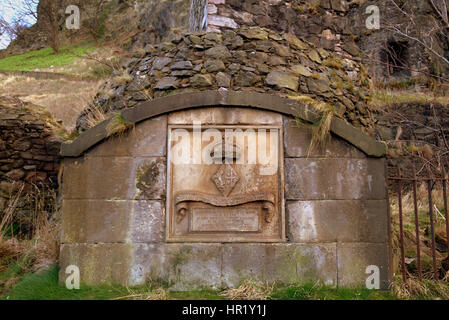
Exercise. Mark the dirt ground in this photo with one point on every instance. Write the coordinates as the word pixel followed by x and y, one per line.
pixel 64 98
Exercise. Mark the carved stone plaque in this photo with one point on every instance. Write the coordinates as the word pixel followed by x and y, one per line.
pixel 225 220
pixel 225 184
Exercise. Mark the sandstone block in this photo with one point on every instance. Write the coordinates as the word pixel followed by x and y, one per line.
pixel 297 141
pixel 98 263
pixel 283 263
pixel 338 221
pixel 354 258
pixel 147 139
pixel 335 179
pixel 120 178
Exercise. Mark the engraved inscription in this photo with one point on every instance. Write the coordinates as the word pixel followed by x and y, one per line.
pixel 225 220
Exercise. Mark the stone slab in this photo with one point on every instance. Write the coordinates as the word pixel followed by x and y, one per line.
pixel 338 221
pixel 148 222
pixel 280 263
pixel 148 139
pixel 114 178
pixel 98 263
pixel 196 266
pixel 225 116
pixel 297 139
pixel 354 258
pixel 181 266
pixel 335 179
pixel 193 266
pixel 115 221
pixel 148 264
pixel 94 221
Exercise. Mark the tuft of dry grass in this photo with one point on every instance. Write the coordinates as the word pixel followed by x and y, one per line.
pixel 8 213
pixel 321 128
pixel 95 116
pixel 414 289
pixel 123 79
pixel 387 98
pixel 41 249
pixel 154 294
pixel 118 125
pixel 249 290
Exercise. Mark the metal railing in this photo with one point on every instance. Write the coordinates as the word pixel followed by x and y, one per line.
pixel 398 183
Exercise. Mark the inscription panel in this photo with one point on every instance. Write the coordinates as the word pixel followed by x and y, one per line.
pixel 225 184
pixel 225 220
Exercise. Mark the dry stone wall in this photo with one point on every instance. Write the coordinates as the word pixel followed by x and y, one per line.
pixel 324 23
pixel 29 151
pixel 248 59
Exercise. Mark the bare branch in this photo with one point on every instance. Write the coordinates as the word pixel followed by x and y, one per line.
pixel 442 13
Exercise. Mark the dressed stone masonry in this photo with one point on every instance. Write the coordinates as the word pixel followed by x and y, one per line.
pixel 330 219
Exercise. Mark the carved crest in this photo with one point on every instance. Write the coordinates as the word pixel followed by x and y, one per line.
pixel 225 179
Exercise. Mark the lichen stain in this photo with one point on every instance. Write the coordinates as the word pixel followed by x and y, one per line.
pixel 148 177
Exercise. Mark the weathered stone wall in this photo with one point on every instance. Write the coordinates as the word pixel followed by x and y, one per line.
pixel 249 59
pixel 29 151
pixel 340 25
pixel 114 217
pixel 324 23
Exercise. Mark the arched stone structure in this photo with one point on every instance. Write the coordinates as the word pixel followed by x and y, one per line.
pixel 327 220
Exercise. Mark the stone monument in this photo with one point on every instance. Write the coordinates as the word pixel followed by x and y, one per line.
pixel 215 181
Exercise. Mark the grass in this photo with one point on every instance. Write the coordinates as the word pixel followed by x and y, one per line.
pixel 44 286
pixel 45 58
pixel 314 292
pixel 321 128
pixel 386 98
pixel 118 125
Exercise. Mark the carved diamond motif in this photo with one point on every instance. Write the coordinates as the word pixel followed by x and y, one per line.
pixel 225 179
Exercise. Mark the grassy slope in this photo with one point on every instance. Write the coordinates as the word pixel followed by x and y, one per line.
pixel 44 286
pixel 65 98
pixel 45 58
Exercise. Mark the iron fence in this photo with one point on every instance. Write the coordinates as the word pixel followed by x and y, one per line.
pixel 401 181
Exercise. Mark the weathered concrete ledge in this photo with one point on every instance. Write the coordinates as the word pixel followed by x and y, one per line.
pixel 178 102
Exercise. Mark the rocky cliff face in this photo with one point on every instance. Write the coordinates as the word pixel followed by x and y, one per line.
pixel 127 23
pixel 336 25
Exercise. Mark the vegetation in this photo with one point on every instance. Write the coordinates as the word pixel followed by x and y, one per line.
pixel 118 125
pixel 45 58
pixel 35 249
pixel 44 286
pixel 385 98
pixel 321 128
